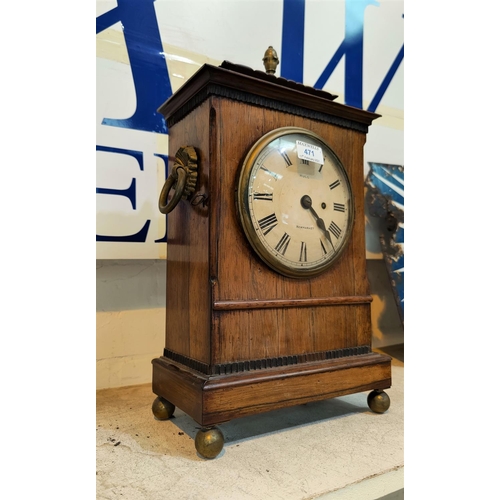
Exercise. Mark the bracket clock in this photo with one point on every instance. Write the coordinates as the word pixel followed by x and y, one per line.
pixel 267 300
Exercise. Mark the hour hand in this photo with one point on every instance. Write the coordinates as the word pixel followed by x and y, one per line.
pixel 306 203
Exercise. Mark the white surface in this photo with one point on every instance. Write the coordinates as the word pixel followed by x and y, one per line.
pixel 295 453
pixel 371 488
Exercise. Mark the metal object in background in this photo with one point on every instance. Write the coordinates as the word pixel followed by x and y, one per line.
pixel 385 185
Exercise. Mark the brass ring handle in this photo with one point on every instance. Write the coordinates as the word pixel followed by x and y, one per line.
pixel 184 175
pixel 179 177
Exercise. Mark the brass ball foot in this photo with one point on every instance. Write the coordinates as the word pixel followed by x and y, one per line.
pixel 162 409
pixel 378 401
pixel 209 442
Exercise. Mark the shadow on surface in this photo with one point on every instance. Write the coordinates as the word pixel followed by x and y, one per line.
pixel 395 351
pixel 280 420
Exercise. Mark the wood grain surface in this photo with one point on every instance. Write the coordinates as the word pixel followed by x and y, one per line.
pixel 224 306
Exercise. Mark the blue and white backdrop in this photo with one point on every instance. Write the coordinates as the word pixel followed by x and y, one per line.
pixel 147 49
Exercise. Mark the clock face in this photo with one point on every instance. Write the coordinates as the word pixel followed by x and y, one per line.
pixel 295 202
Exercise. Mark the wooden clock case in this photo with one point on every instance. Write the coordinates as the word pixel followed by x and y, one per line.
pixel 241 338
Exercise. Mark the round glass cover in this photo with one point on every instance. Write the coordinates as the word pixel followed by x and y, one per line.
pixel 295 202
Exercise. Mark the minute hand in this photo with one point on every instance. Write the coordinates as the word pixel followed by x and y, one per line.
pixel 306 203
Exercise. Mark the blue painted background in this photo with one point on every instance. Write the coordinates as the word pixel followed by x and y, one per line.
pixel 153 87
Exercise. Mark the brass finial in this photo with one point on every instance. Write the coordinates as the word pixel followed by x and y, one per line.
pixel 271 60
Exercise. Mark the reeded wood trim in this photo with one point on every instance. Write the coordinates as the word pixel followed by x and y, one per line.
pixel 233 305
pixel 211 400
pixel 329 366
pixel 278 362
pixel 285 361
pixel 261 102
pixel 212 80
pixel 186 361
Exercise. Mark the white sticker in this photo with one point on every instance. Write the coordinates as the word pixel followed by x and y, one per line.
pixel 309 152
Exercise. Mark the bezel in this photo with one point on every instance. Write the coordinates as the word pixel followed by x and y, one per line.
pixel 244 210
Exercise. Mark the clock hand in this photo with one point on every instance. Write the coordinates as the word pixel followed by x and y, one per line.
pixel 306 203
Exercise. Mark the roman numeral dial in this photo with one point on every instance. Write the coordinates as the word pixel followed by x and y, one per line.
pixel 285 157
pixel 303 251
pixel 295 202
pixel 282 245
pixel 267 224
pixel 335 230
pixel 263 196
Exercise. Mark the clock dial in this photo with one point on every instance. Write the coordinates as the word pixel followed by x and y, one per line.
pixel 295 202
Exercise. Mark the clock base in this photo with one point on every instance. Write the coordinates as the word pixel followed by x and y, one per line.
pixel 214 399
